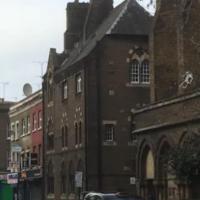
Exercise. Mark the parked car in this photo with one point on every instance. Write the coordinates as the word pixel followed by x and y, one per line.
pixel 109 196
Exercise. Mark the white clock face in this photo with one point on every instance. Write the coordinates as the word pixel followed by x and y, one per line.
pixel 187 80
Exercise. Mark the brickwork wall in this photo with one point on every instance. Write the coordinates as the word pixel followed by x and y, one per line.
pixel 4 128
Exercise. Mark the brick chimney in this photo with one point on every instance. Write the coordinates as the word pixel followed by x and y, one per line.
pixel 76 15
pixel 98 11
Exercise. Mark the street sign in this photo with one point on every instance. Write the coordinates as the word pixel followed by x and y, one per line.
pixel 132 180
pixel 78 179
pixel 12 178
pixel 16 148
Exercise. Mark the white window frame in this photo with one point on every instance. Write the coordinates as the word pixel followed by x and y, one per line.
pixel 28 123
pixel 34 121
pixel 139 72
pixel 109 132
pixel 78 83
pixel 12 128
pixel 65 90
pixel 144 72
pixel 39 119
pixel 23 126
pixel 134 71
pixel 16 130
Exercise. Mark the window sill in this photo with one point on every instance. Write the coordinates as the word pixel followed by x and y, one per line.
pixel 65 100
pixel 78 93
pixel 78 146
pixel 50 152
pixel 110 143
pixel 147 85
pixel 50 133
pixel 24 135
pixel 50 196
pixel 63 196
pixel 33 131
pixel 64 148
pixel 50 104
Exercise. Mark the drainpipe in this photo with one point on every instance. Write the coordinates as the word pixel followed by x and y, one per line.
pixel 99 137
pixel 86 125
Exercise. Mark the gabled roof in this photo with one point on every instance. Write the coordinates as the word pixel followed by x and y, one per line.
pixel 128 18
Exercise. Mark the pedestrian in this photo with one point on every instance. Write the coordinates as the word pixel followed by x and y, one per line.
pixel 15 196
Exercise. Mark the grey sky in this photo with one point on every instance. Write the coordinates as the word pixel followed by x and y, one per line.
pixel 28 28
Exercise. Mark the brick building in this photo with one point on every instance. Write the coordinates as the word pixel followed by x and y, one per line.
pixel 174 112
pixel 26 146
pixel 89 90
pixel 4 135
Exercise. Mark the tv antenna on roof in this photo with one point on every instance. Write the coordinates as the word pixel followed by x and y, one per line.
pixel 41 63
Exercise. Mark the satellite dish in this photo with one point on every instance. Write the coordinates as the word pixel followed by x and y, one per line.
pixel 27 89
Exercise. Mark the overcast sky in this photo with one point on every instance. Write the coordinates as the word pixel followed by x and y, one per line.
pixel 28 28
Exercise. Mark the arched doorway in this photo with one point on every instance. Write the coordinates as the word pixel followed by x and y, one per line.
pixel 164 178
pixel 147 174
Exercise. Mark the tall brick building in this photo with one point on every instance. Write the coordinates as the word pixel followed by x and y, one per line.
pixel 4 135
pixel 174 112
pixel 27 146
pixel 89 90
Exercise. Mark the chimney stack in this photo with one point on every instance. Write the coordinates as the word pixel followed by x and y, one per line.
pixel 76 14
pixel 98 12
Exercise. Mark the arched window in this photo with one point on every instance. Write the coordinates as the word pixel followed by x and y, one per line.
pixel 50 179
pixel 66 136
pixel 134 71
pixel 63 178
pixel 80 132
pixel 76 133
pixel 144 72
pixel 63 136
pixel 64 132
pixel 139 72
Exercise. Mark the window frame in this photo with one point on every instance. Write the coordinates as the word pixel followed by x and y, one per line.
pixel 64 90
pixel 139 72
pixel 145 72
pixel 134 72
pixel 78 83
pixel 109 132
pixel 39 119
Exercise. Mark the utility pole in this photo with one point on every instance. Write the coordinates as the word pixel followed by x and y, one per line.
pixel 4 84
